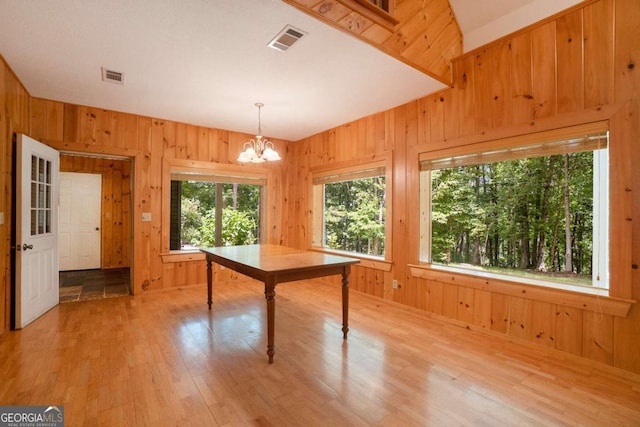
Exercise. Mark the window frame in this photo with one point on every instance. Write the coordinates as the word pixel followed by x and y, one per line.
pixel 209 171
pixel 615 118
pixel 350 168
pixel 545 145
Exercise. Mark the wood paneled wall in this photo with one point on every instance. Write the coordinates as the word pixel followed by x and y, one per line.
pixel 149 143
pixel 115 206
pixel 573 68
pixel 14 117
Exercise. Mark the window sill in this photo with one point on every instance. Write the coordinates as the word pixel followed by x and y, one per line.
pixel 368 261
pixel 595 300
pixel 183 256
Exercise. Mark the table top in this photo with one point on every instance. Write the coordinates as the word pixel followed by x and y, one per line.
pixel 275 258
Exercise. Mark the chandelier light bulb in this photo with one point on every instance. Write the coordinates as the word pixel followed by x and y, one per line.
pixel 258 150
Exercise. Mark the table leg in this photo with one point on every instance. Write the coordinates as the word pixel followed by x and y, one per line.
pixel 345 301
pixel 209 282
pixel 270 295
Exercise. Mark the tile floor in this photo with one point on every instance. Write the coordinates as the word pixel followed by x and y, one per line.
pixel 82 285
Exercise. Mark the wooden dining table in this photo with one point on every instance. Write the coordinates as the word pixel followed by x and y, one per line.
pixel 273 264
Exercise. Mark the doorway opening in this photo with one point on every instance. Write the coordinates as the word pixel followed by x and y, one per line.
pixel 95 248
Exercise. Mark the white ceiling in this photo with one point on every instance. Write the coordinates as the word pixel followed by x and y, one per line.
pixel 482 21
pixel 206 62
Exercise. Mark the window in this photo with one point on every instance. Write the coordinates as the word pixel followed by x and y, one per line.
pixel 537 212
pixel 208 209
pixel 350 209
pixel 41 195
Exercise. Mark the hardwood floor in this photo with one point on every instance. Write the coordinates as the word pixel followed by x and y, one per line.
pixel 164 359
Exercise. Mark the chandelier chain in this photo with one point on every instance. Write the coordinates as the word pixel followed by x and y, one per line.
pixel 258 150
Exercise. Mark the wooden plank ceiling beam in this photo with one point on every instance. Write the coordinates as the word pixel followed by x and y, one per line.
pixel 423 35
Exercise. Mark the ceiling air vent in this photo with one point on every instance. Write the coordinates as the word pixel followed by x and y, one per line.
pixel 112 76
pixel 286 38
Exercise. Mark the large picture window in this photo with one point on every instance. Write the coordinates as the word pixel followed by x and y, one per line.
pixel 350 210
pixel 208 210
pixel 537 212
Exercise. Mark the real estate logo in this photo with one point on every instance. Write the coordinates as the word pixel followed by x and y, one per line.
pixel 31 416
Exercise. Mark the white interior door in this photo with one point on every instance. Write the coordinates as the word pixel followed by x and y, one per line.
pixel 37 280
pixel 80 211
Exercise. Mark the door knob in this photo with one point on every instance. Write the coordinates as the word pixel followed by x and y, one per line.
pixel 25 247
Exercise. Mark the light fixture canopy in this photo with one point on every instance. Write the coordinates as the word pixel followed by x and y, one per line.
pixel 260 149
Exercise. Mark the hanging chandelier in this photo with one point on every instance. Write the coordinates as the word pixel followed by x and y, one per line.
pixel 258 150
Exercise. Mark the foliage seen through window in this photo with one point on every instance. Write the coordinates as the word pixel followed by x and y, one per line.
pixel 197 210
pixel 531 217
pixel 354 215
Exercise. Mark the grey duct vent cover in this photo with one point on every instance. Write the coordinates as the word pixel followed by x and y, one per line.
pixel 112 76
pixel 286 38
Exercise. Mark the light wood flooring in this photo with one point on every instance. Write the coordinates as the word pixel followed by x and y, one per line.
pixel 163 359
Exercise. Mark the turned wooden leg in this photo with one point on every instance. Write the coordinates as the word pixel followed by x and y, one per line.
pixel 345 302
pixel 209 283
pixel 270 295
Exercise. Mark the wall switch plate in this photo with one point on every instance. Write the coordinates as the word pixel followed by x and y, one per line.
pixel 395 284
pixel 1 218
pixel 146 216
